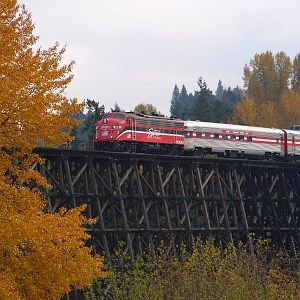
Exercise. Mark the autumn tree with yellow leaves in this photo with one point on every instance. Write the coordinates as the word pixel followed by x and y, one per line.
pixel 272 91
pixel 42 255
pixel 146 108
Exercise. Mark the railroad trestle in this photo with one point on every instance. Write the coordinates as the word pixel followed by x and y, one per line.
pixel 143 199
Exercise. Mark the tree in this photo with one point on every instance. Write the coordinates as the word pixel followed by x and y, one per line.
pixel 222 111
pixel 146 109
pixel 204 104
pixel 290 109
pixel 296 74
pixel 219 91
pixel 183 96
pixel 245 112
pixel 42 254
pixel 85 132
pixel 185 105
pixel 117 108
pixel 238 94
pixel 174 109
pixel 267 77
pixel 272 84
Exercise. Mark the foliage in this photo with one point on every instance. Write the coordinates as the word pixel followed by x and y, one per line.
pixel 268 113
pixel 85 132
pixel 205 272
pixel 203 105
pixel 116 108
pixel 146 108
pixel 272 83
pixel 290 109
pixel 174 108
pixel 42 255
pixel 295 80
pixel 267 76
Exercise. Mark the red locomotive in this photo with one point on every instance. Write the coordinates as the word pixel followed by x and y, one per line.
pixel 120 131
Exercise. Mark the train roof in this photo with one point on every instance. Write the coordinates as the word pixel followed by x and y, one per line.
pixel 152 116
pixel 295 132
pixel 232 127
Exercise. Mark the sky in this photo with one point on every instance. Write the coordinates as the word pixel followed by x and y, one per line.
pixel 133 51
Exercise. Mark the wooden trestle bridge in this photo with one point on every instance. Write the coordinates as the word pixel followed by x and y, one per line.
pixel 142 198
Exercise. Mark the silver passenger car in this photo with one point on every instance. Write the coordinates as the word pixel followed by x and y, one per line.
pixel 229 138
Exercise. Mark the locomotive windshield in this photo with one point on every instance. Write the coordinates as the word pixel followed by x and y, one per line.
pixel 118 116
pixel 107 116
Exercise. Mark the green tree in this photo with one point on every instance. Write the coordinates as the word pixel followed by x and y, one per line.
pixel 174 109
pixel 219 91
pixel 116 108
pixel 183 96
pixel 186 103
pixel 222 111
pixel 85 132
pixel 204 103
pixel 93 115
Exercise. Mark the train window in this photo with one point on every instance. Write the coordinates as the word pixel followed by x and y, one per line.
pixel 232 137
pixel 199 134
pixel 207 135
pixel 241 138
pixel 216 135
pixel 119 116
pixel 224 137
pixel 249 138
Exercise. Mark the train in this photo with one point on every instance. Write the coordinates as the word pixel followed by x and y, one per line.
pixel 135 132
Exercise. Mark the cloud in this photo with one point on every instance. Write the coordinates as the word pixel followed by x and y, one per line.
pixel 135 50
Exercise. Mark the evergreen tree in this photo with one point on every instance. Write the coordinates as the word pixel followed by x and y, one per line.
pixel 174 108
pixel 183 94
pixel 220 91
pixel 186 103
pixel 239 94
pixel 222 111
pixel 85 132
pixel 117 108
pixel 94 114
pixel 204 104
